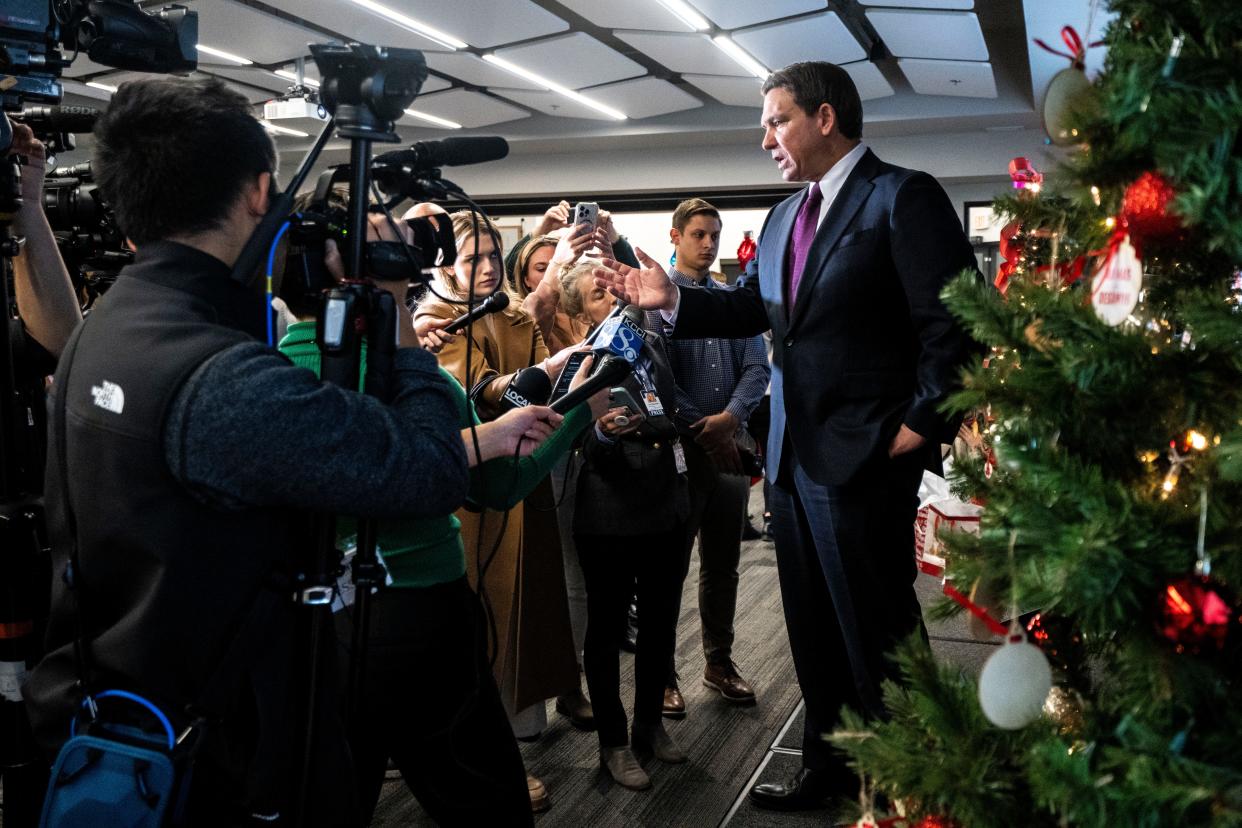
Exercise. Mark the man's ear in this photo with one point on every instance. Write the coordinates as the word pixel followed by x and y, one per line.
pixel 674 236
pixel 257 194
pixel 827 118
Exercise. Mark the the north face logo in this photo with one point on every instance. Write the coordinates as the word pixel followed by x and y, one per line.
pixel 109 397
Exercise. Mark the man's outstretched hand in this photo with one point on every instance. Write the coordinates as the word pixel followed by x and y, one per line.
pixel 647 287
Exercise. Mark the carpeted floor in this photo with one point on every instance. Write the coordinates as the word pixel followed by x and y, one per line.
pixel 725 742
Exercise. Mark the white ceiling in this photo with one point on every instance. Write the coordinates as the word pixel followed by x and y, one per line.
pixel 922 66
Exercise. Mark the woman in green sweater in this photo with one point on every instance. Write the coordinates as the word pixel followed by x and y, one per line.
pixel 431 703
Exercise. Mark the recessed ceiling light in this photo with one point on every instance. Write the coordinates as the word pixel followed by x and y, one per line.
pixel 292 76
pixel 279 130
pixel 615 114
pixel 432 119
pixel 105 87
pixel 229 56
pixel 740 55
pixel 686 14
pixel 409 23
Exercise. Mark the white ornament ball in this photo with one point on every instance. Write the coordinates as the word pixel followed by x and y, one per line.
pixel 1014 684
pixel 1065 92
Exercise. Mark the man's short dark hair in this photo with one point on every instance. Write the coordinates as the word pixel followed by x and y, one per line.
pixel 173 155
pixel 815 82
pixel 690 208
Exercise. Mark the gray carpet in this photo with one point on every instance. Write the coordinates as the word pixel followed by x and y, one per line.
pixel 725 742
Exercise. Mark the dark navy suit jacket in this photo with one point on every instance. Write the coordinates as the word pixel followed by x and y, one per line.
pixel 868 345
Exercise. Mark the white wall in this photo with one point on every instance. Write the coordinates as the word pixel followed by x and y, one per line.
pixel 971 156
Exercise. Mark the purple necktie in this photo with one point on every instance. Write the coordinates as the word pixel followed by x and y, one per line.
pixel 804 229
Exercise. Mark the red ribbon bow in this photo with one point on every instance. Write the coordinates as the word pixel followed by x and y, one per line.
pixel 1078 50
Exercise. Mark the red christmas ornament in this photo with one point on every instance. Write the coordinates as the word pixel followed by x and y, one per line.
pixel 1022 174
pixel 1196 614
pixel 1145 208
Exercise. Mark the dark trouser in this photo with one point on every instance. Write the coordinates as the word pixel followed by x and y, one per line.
pixel 845 557
pixel 717 511
pixel 616 568
pixel 431 705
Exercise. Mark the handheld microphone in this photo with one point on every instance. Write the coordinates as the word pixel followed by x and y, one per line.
pixel 498 301
pixel 529 386
pixel 622 335
pixel 612 369
pixel 59 118
pixel 447 152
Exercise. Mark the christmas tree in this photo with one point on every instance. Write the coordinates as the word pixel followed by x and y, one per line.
pixel 1112 398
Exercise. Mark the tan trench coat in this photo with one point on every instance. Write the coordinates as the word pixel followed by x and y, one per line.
pixel 525 580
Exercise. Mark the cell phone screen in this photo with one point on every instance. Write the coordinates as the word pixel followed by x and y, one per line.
pixel 568 373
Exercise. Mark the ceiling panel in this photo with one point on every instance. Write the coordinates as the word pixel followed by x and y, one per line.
pixel 118 78
pixel 482 23
pixel 915 33
pixel 684 52
pixel 960 78
pixel 357 23
pixel 733 14
pixel 870 81
pixel 252 75
pixel 640 98
pixel 646 97
pixel 819 37
pixel 922 4
pixel 631 14
pixel 731 91
pixel 470 109
pixel 476 71
pixel 550 103
pixel 574 60
pixel 252 34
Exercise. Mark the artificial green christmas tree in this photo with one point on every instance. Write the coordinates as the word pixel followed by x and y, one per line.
pixel 1114 392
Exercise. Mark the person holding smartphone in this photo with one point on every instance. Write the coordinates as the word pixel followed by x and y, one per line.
pixel 629 527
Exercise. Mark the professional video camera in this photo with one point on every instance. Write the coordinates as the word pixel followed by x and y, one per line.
pixel 326 216
pixel 89 241
pixel 111 32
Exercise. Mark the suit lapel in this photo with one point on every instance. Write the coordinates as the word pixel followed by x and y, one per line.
pixel 844 207
pixel 774 273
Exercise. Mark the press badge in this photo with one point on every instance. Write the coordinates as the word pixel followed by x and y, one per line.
pixel 679 457
pixel 653 404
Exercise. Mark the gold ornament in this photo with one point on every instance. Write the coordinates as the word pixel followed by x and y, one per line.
pixel 1064 706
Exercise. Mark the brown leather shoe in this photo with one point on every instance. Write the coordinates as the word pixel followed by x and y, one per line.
pixel 674 704
pixel 724 679
pixel 538 791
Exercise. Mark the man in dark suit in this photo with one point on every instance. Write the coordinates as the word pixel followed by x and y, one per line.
pixel 848 277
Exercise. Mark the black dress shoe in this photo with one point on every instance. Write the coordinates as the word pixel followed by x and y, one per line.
pixel 749 532
pixel 805 792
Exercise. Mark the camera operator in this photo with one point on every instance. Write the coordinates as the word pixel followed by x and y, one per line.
pixel 184 449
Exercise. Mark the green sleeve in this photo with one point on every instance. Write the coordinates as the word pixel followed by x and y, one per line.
pixel 506 481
